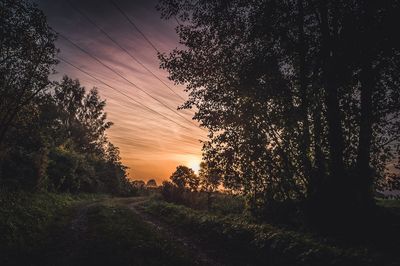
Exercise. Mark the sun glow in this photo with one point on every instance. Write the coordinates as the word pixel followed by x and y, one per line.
pixel 195 165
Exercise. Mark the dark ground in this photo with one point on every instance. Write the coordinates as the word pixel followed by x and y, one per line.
pixel 143 231
pixel 114 232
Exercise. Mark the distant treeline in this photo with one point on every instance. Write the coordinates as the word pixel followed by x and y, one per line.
pixel 52 133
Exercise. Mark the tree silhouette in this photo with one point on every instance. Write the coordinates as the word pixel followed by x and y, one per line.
pixel 300 97
pixel 82 115
pixel 59 144
pixel 185 178
pixel 138 184
pixel 151 183
pixel 27 57
pixel 210 179
pixel 52 134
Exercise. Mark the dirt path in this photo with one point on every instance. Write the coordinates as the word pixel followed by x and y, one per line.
pixel 93 233
pixel 68 238
pixel 200 257
pixel 78 225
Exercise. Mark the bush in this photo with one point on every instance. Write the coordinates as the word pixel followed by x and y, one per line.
pixel 171 193
pixel 63 169
pixel 214 201
pixel 228 204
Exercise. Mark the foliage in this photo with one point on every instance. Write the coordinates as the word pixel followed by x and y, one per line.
pixel 389 203
pixel 151 183
pixel 224 204
pixel 25 219
pixel 171 192
pixel 183 186
pixel 62 145
pixel 27 57
pixel 301 98
pixel 256 244
pixel 81 116
pixel 52 134
pixel 138 183
pixel 185 178
pixel 210 178
pixel 65 169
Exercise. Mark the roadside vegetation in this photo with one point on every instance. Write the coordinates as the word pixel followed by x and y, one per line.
pixel 225 219
pixel 26 220
pixel 52 133
pixel 246 241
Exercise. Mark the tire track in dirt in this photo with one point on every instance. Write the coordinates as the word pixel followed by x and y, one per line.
pixel 69 239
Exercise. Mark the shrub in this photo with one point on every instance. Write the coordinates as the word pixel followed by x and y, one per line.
pixel 63 169
pixel 171 193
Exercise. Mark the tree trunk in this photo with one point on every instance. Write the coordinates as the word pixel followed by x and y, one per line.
pixel 329 69
pixel 319 172
pixel 302 52
pixel 364 179
pixel 208 201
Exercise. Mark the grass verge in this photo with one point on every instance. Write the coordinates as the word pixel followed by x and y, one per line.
pixel 243 242
pixel 25 221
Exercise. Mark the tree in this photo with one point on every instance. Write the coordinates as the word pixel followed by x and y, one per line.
pixel 151 183
pixel 185 178
pixel 253 70
pixel 82 115
pixel 27 57
pixel 94 119
pixel 52 134
pixel 210 179
pixel 171 192
pixel 138 184
pixel 56 146
pixel 80 126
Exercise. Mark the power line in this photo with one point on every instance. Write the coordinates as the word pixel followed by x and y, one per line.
pixel 127 80
pixel 120 92
pixel 121 47
pixel 134 25
pixel 113 88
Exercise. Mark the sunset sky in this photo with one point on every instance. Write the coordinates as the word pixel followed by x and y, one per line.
pixel 151 146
